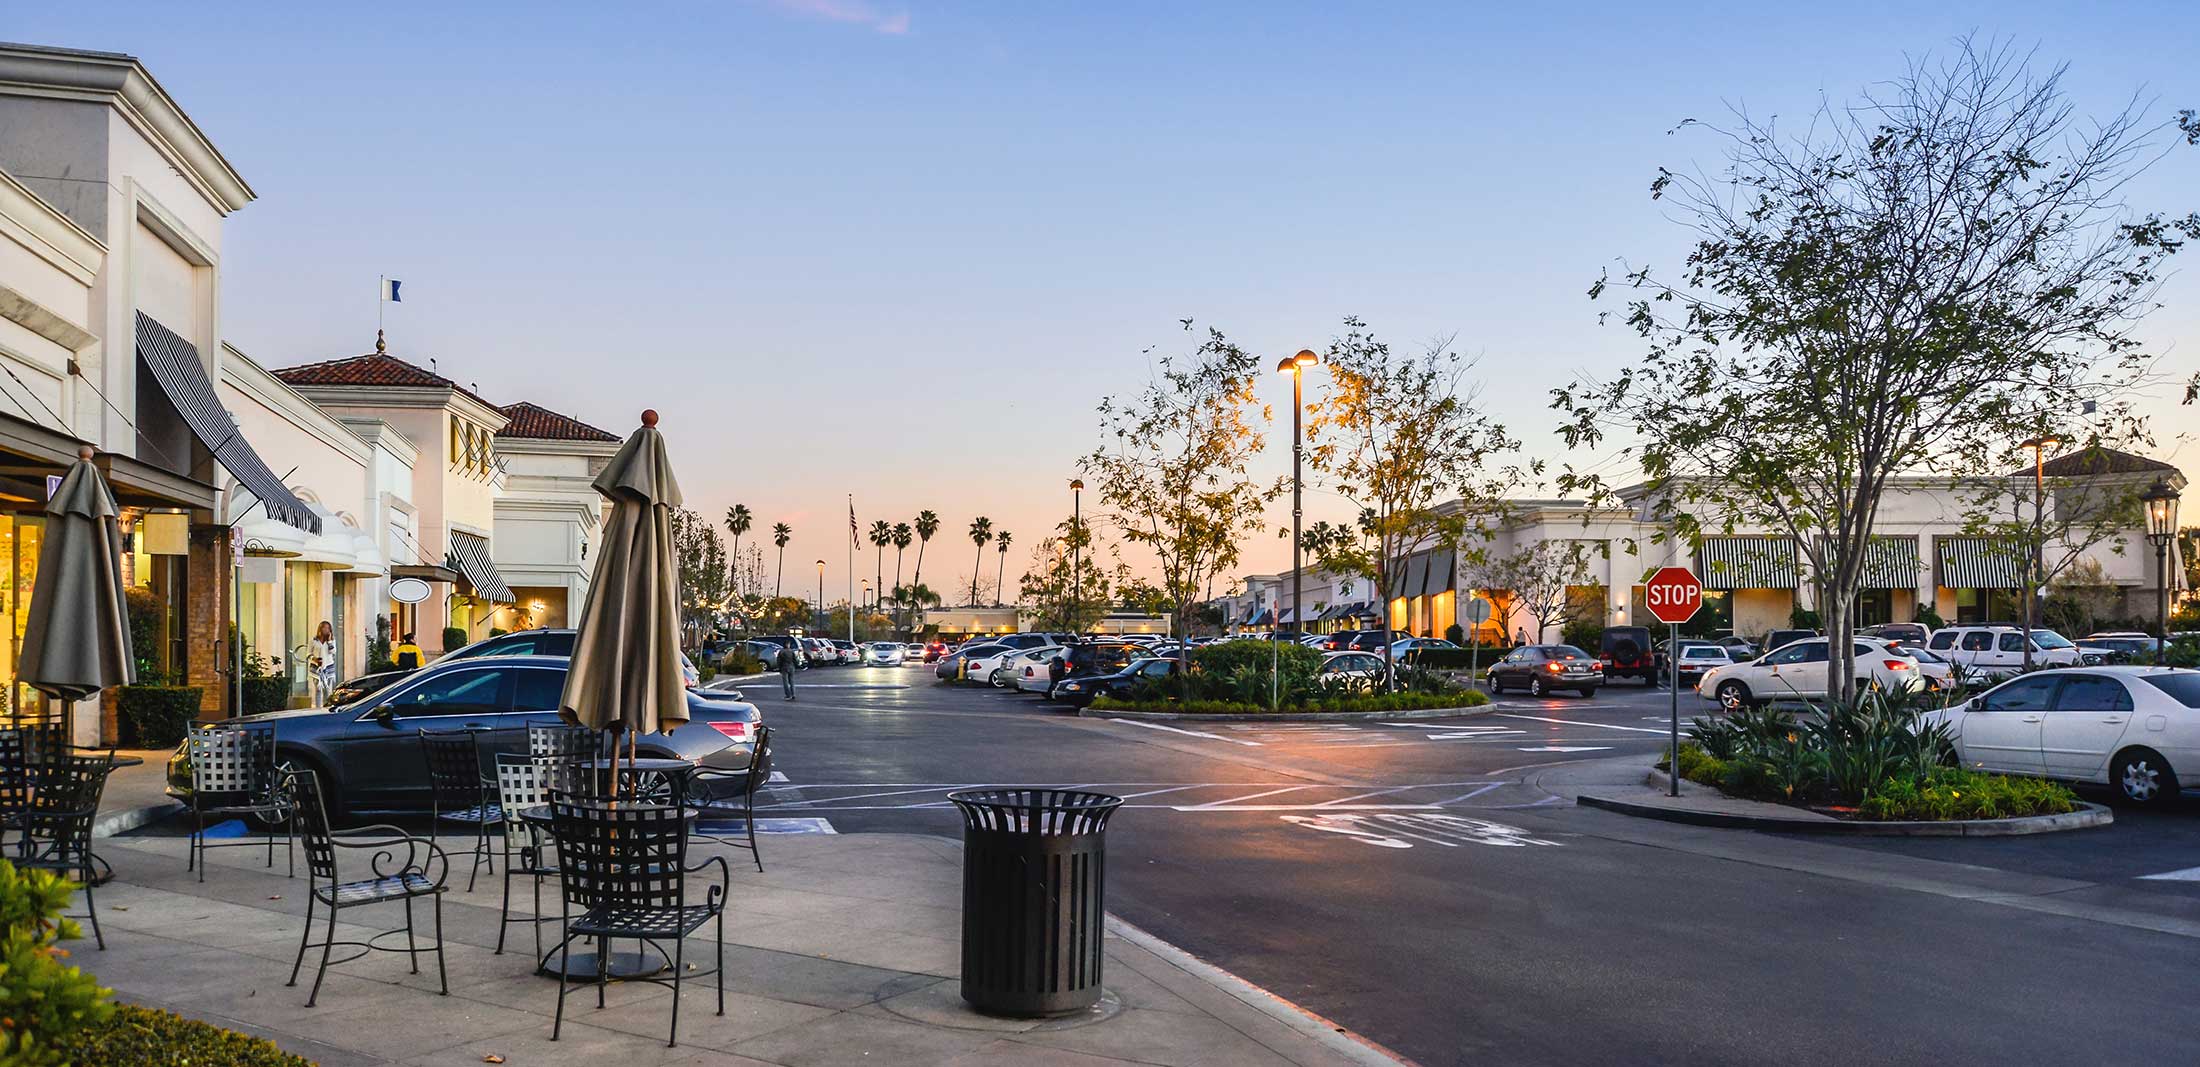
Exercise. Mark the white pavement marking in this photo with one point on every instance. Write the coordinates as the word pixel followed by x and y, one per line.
pixel 1362 796
pixel 1305 807
pixel 1158 792
pixel 2189 874
pixel 1577 722
pixel 1570 748
pixel 890 793
pixel 1188 733
pixel 1476 793
pixel 1400 830
pixel 1254 796
pixel 777 778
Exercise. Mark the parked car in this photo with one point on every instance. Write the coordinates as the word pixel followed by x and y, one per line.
pixel 1803 670
pixel 1036 670
pixel 790 643
pixel 1941 673
pixel 1998 651
pixel 1374 640
pixel 544 642
pixel 1360 670
pixel 767 652
pixel 1102 657
pixel 1033 640
pixel 1337 641
pixel 2127 727
pixel 1079 692
pixel 2122 646
pixel 1737 649
pixel 951 664
pixel 1777 638
pixel 1408 649
pixel 1627 652
pixel 884 654
pixel 1695 657
pixel 368 755
pixel 1899 632
pixel 991 667
pixel 1543 669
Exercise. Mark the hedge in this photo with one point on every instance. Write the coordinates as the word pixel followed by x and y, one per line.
pixel 1453 659
pixel 134 1036
pixel 454 638
pixel 1380 702
pixel 156 716
pixel 265 694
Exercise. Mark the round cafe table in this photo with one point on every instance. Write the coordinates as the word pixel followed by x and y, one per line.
pixel 581 966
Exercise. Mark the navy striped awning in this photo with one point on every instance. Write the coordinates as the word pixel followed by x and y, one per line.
pixel 470 557
pixel 1979 563
pixel 1747 563
pixel 175 365
pixel 1890 562
pixel 1344 611
pixel 1263 617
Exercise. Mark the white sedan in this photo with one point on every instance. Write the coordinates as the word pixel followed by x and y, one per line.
pixel 1801 670
pixel 2127 727
pixel 1032 671
pixel 883 654
pixel 1359 670
pixel 992 668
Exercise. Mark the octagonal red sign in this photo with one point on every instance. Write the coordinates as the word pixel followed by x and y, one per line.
pixel 1673 594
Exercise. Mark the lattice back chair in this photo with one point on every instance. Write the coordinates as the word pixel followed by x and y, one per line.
pixel 624 872
pixel 15 777
pixel 525 782
pixel 233 775
pixel 57 826
pixel 562 741
pixel 745 783
pixel 419 870
pixel 461 793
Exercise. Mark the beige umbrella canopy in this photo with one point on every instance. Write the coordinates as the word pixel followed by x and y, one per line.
pixel 76 641
pixel 625 674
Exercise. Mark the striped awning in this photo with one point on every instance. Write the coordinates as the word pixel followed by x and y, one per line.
pixel 1890 562
pixel 175 365
pixel 1263 617
pixel 1747 563
pixel 1442 572
pixel 1415 577
pixel 470 557
pixel 1344 611
pixel 1978 563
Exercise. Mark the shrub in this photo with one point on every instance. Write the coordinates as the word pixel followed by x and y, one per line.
pixel 1456 634
pixel 498 631
pixel 265 694
pixel 454 638
pixel 1955 793
pixel 1376 702
pixel 741 661
pixel 1240 671
pixel 44 1001
pixel 1453 659
pixel 156 716
pixel 136 1035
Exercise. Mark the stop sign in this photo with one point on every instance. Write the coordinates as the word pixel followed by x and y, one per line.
pixel 1674 594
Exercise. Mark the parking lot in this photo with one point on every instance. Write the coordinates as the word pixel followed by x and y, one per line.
pixel 1462 907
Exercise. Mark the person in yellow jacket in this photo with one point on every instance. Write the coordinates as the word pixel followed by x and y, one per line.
pixel 407 655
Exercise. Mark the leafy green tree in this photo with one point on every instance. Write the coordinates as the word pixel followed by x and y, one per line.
pixel 1910 285
pixel 705 578
pixel 2050 524
pixel 1062 593
pixel 1176 477
pixel 1399 436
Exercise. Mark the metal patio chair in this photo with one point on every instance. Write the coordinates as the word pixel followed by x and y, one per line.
pixel 57 825
pixel 233 775
pixel 460 793
pixel 625 870
pixel 561 741
pixel 524 782
pixel 418 871
pixel 747 782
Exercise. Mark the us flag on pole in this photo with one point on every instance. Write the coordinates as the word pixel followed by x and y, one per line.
pixel 854 535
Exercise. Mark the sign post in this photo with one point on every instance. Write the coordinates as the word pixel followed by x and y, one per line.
pixel 1478 612
pixel 1674 595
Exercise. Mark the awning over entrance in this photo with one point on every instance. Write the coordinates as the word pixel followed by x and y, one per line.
pixel 1890 562
pixel 30 453
pixel 1343 611
pixel 426 572
pixel 1747 563
pixel 175 364
pixel 470 557
pixel 1263 617
pixel 1978 563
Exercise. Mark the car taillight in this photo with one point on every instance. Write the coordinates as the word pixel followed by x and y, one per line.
pixel 1900 665
pixel 734 731
pixel 1554 668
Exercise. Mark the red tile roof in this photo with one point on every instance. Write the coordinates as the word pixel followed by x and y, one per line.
pixel 377 368
pixel 542 424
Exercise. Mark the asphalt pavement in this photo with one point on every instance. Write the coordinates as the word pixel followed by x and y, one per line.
pixel 1425 884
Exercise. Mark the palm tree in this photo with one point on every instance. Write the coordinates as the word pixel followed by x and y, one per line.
pixel 781 534
pixel 881 535
pixel 903 535
pixel 738 520
pixel 927 525
pixel 1000 539
pixel 981 531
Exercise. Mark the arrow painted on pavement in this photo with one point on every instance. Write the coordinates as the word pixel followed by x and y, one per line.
pixel 1569 748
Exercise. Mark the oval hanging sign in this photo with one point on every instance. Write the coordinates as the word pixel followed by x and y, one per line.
pixel 409 590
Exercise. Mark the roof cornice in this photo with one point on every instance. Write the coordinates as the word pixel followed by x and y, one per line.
pixel 123 82
pixel 429 397
pixel 49 234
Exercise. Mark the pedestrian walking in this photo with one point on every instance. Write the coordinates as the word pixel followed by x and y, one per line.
pixel 321 664
pixel 407 655
pixel 786 671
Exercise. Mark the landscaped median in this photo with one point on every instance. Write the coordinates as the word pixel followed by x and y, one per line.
pixel 1360 706
pixel 1877 765
pixel 1260 680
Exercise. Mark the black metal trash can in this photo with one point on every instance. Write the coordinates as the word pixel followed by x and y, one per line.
pixel 1034 876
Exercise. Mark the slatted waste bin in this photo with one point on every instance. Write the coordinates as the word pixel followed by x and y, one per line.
pixel 1034 874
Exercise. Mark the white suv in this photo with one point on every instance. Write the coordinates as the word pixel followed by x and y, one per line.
pixel 1998 651
pixel 1801 670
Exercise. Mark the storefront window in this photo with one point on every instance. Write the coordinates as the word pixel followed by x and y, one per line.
pixel 20 536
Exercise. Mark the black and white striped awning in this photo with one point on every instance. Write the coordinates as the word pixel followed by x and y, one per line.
pixel 470 557
pixel 1890 562
pixel 175 365
pixel 1978 563
pixel 1352 610
pixel 1747 563
pixel 1424 573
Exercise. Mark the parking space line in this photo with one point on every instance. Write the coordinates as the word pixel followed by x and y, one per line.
pixel 1363 796
pixel 1187 733
pixel 891 793
pixel 1158 792
pixel 1577 722
pixel 1476 793
pixel 1255 796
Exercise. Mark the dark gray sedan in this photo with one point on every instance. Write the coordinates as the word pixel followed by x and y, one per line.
pixel 368 753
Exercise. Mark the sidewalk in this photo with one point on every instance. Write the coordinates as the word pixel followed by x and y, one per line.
pixel 135 796
pixel 845 951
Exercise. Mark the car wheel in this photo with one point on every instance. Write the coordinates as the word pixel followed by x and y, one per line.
pixel 1537 688
pixel 1734 696
pixel 994 679
pixel 2142 776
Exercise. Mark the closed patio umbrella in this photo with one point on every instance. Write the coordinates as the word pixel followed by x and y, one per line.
pixel 625 673
pixel 76 640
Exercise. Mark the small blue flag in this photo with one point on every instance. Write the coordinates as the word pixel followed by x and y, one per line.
pixel 389 290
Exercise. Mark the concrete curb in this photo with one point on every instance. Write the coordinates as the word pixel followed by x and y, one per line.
pixel 124 820
pixel 1312 716
pixel 1328 1034
pixel 2088 815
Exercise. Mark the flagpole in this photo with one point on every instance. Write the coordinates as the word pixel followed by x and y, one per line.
pixel 851 568
pixel 380 283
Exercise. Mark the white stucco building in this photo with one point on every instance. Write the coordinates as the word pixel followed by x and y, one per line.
pixel 548 514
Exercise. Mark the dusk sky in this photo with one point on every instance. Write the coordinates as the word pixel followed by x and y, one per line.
pixel 900 250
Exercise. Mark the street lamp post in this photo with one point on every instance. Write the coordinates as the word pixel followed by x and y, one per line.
pixel 2035 563
pixel 1076 534
pixel 1295 366
pixel 2160 500
pixel 823 620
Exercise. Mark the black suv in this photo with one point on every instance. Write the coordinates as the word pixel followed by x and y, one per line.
pixel 1628 653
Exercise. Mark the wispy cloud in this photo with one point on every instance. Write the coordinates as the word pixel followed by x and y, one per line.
pixel 852 12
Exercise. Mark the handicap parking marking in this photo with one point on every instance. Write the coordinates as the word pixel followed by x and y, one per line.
pixel 1398 830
